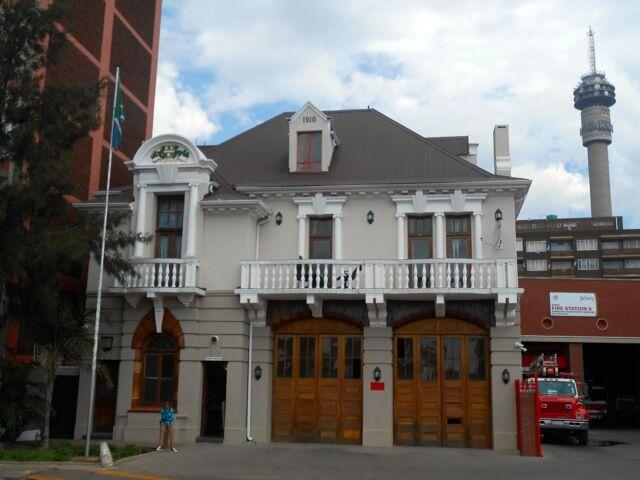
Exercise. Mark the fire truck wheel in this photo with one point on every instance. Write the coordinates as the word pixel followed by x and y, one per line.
pixel 583 437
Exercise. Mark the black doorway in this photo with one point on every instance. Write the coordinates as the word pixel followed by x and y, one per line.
pixel 63 406
pixel 214 396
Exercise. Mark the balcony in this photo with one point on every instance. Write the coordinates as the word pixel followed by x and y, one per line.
pixel 158 278
pixel 161 273
pixel 384 276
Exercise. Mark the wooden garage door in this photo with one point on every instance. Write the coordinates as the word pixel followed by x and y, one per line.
pixel 441 384
pixel 317 386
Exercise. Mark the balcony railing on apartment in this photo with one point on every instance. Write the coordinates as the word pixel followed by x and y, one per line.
pixel 354 275
pixel 161 273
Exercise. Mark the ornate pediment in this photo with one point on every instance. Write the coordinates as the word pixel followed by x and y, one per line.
pixel 169 153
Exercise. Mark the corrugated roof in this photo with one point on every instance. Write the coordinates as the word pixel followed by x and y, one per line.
pixel 373 149
pixel 454 145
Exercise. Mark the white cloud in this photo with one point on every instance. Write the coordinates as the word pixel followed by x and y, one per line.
pixel 554 191
pixel 451 68
pixel 177 110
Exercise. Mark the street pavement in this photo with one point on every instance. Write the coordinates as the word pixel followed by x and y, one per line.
pixel 562 460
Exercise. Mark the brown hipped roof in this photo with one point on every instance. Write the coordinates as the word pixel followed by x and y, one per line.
pixel 373 149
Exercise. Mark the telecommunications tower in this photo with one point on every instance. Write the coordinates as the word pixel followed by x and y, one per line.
pixel 593 97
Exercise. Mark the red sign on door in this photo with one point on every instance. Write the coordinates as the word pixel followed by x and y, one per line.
pixel 377 386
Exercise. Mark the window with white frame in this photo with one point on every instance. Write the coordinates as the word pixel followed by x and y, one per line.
pixel 632 263
pixel 519 245
pixel 631 243
pixel 586 244
pixel 588 264
pixel 536 246
pixel 536 265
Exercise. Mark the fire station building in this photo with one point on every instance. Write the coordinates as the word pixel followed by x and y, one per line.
pixel 322 277
pixel 581 281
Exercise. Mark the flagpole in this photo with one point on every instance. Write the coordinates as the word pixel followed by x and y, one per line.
pixel 96 328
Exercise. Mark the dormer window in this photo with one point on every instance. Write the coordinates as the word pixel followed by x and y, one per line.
pixel 309 151
pixel 311 141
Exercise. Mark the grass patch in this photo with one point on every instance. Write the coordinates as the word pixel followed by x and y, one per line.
pixel 64 452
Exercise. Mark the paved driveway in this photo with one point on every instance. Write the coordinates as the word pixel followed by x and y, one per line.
pixel 297 461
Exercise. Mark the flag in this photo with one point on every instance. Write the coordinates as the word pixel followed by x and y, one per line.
pixel 118 117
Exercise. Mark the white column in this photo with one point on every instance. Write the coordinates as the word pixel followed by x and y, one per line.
pixel 191 220
pixel 337 237
pixel 141 219
pixel 440 236
pixel 477 234
pixel 302 232
pixel 401 237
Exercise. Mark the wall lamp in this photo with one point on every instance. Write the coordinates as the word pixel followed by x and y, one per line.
pixel 498 215
pixel 278 218
pixel 257 372
pixel 370 217
pixel 377 374
pixel 106 343
pixel 506 376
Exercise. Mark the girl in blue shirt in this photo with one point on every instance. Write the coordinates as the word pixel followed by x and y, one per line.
pixel 166 423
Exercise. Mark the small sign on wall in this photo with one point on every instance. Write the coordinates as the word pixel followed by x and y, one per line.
pixel 379 386
pixel 566 304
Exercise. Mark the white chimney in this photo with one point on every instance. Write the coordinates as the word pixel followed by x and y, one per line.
pixel 472 155
pixel 501 158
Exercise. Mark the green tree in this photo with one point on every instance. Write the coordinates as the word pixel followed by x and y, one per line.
pixel 41 236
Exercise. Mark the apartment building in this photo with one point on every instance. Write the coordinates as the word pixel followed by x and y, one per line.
pixel 578 248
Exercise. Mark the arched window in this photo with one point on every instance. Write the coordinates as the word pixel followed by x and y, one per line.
pixel 160 370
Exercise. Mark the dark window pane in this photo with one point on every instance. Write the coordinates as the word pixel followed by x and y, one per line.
pixel 458 248
pixel 477 359
pixel 168 365
pixel 303 147
pixel 307 357
pixel 353 358
pixel 149 388
pixel 320 249
pixel 316 147
pixel 330 357
pixel 177 246
pixel 166 391
pixel 161 342
pixel 420 248
pixel 428 359
pixel 285 357
pixel 151 365
pixel 420 226
pixel 322 226
pixel 164 246
pixel 452 359
pixel 457 224
pixel 405 358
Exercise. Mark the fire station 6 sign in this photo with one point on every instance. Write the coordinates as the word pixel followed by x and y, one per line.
pixel 564 304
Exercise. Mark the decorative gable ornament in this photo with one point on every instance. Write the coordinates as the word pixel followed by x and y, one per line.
pixel 170 153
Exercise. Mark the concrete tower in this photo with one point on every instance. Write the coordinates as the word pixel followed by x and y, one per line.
pixel 593 97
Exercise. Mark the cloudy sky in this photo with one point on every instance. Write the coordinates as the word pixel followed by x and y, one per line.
pixel 440 68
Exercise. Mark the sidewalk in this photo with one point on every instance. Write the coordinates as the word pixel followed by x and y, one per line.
pixel 314 461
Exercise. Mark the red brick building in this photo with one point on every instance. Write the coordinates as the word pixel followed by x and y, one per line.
pixel 600 346
pixel 104 34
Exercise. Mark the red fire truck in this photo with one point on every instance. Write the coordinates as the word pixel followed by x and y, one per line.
pixel 562 410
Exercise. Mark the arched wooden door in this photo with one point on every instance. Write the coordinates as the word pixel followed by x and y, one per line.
pixel 317 382
pixel 442 393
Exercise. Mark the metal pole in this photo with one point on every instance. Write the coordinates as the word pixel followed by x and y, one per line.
pixel 96 328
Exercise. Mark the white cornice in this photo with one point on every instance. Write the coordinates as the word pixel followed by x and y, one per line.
pixel 255 208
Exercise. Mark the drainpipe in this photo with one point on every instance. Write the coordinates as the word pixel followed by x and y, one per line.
pixel 249 437
pixel 250 360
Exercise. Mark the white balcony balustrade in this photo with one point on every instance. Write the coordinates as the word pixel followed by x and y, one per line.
pixel 384 275
pixel 161 273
